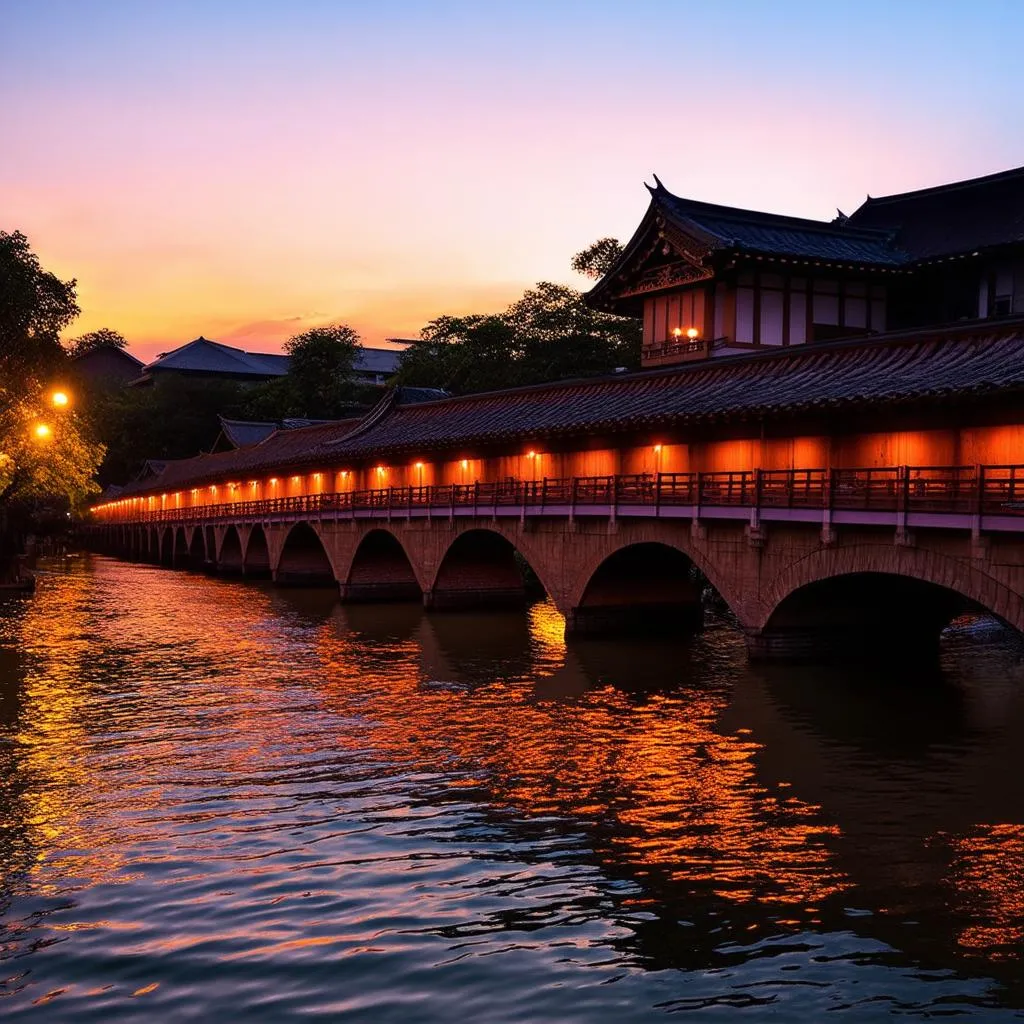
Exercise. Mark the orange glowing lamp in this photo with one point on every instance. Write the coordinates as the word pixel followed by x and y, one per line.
pixel 692 333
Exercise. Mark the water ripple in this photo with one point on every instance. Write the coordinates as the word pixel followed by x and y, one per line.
pixel 222 799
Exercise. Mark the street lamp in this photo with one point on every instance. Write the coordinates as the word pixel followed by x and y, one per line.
pixel 60 399
pixel 42 432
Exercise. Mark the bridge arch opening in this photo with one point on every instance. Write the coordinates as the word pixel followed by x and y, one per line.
pixel 380 571
pixel 230 559
pixel 304 561
pixel 197 549
pixel 861 616
pixel 166 551
pixel 179 552
pixel 483 569
pixel 644 588
pixel 256 562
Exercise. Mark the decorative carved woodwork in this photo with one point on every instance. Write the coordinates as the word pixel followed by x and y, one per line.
pixel 669 276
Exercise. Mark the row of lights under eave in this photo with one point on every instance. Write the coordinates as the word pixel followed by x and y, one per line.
pixel 273 481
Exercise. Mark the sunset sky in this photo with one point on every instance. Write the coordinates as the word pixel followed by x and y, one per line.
pixel 245 169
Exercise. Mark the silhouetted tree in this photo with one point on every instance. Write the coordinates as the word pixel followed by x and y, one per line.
pixel 35 307
pixel 104 337
pixel 320 371
pixel 598 258
pixel 548 334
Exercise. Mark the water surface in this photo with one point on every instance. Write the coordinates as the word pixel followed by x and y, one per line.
pixel 218 799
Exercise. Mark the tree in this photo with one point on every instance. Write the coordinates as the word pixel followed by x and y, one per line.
pixel 104 337
pixel 46 460
pixel 172 419
pixel 598 258
pixel 45 454
pixel 35 307
pixel 320 372
pixel 462 354
pixel 548 334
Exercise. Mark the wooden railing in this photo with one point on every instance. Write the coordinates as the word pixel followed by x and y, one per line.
pixel 979 490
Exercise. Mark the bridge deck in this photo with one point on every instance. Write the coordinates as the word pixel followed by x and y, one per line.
pixel 987 498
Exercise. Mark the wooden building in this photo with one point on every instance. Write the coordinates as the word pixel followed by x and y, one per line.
pixel 714 280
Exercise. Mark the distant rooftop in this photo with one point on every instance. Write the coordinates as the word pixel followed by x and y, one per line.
pixel 205 357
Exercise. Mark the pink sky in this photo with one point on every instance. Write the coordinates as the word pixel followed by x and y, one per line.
pixel 244 172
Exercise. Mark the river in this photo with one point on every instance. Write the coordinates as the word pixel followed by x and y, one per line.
pixel 222 800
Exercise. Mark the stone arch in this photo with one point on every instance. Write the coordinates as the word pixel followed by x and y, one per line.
pixel 647 586
pixel 230 559
pixel 152 544
pixel 197 548
pixel 482 567
pixel 676 537
pixel 165 540
pixel 210 544
pixel 180 549
pixel 872 598
pixel 256 558
pixel 303 559
pixel 380 570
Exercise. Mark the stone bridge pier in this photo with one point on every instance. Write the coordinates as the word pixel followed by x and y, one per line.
pixel 796 591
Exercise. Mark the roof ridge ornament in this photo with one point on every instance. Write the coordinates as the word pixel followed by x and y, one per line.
pixel 656 187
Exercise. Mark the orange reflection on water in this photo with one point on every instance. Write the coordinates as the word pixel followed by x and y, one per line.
pixel 665 790
pixel 988 889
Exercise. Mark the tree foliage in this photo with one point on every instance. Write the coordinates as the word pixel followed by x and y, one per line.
pixel 46 452
pixel 104 337
pixel 548 334
pixel 320 372
pixel 598 258
pixel 35 307
pixel 175 418
pixel 46 455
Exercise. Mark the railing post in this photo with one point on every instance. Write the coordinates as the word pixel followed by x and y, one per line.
pixel 978 502
pixel 657 494
pixel 902 502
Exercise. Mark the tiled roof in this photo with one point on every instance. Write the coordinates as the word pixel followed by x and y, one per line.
pixel 205 356
pixel 826 375
pixel 951 219
pixel 242 433
pixel 728 227
pixel 978 360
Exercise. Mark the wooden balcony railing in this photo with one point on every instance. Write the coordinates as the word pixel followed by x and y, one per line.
pixel 972 490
